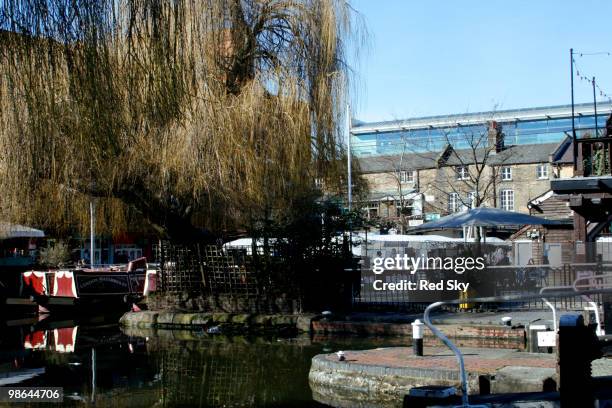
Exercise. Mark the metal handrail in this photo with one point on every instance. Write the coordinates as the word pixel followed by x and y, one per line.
pixel 594 307
pixel 550 305
pixel 450 345
pixel 505 298
pixel 574 287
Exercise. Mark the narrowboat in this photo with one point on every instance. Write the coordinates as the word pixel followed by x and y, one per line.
pixel 111 287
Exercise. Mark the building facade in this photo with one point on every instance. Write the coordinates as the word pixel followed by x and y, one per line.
pixel 423 168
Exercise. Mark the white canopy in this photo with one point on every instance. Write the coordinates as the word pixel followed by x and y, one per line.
pixel 8 231
pixel 246 242
pixel 420 238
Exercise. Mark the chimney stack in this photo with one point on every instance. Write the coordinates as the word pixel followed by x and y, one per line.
pixel 495 136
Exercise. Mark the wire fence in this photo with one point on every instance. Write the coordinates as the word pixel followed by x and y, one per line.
pixel 271 278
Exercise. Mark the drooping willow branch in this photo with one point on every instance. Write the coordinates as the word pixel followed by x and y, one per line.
pixel 209 112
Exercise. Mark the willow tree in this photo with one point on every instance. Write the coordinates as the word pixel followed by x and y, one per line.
pixel 186 114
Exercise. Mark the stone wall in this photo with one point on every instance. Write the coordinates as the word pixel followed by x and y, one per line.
pixel 197 301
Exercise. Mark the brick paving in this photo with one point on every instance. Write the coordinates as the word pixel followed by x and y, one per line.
pixel 477 360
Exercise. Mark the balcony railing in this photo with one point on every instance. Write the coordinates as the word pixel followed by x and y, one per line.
pixel 593 154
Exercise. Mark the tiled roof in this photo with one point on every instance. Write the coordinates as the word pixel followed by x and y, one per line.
pixel 377 164
pixel 523 154
pixel 566 156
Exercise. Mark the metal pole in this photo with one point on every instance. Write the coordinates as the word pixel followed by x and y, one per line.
pixel 348 157
pixel 454 349
pixel 93 375
pixel 595 107
pixel 92 232
pixel 573 123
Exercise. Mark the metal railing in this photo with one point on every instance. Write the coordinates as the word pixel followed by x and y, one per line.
pixel 494 281
pixel 594 153
pixel 463 374
pixel 599 281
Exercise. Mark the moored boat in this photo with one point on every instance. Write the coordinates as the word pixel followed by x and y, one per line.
pixel 117 287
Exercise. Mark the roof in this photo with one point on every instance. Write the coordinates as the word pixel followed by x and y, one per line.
pixel 391 195
pixel 8 231
pixel 420 238
pixel 485 217
pixel 510 115
pixel 565 152
pixel 378 164
pixel 550 206
pixel 576 185
pixel 520 154
pixel 566 156
pixel 523 154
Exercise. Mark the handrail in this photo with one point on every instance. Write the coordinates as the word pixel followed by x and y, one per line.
pixel 504 298
pixel 574 287
pixel 450 345
pixel 594 307
pixel 550 305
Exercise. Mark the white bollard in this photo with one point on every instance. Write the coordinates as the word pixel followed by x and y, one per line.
pixel 417 337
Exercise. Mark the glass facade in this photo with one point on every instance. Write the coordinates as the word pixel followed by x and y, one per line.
pixel 519 131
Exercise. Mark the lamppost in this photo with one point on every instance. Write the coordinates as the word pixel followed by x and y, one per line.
pixel 92 232
pixel 573 123
pixel 348 157
pixel 595 108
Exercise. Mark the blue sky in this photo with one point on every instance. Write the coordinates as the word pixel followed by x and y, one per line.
pixel 443 57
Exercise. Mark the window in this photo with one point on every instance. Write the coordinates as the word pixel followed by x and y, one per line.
pixel 506 173
pixel 406 209
pixel 407 176
pixel 372 209
pixel 318 181
pixel 453 202
pixel 507 200
pixel 471 200
pixel 542 171
pixel 462 173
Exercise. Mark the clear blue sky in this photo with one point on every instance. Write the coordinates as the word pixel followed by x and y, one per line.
pixel 443 57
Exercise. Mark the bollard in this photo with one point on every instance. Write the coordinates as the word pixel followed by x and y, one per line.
pixel 417 337
pixel 578 346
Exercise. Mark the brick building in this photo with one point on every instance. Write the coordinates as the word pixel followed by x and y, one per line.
pixel 424 168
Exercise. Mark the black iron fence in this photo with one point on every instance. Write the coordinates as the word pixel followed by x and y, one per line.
pixel 281 278
pixel 503 280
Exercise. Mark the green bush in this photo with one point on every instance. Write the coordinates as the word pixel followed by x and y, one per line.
pixel 55 255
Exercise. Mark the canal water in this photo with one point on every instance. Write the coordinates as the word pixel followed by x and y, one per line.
pixel 101 364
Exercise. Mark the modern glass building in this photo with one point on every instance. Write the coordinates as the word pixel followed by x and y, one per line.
pixel 520 126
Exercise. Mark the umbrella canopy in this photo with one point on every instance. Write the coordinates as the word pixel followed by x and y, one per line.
pixel 484 217
pixel 8 231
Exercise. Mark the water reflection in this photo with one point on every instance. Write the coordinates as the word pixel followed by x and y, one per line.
pixel 233 372
pixel 99 364
pixel 93 363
